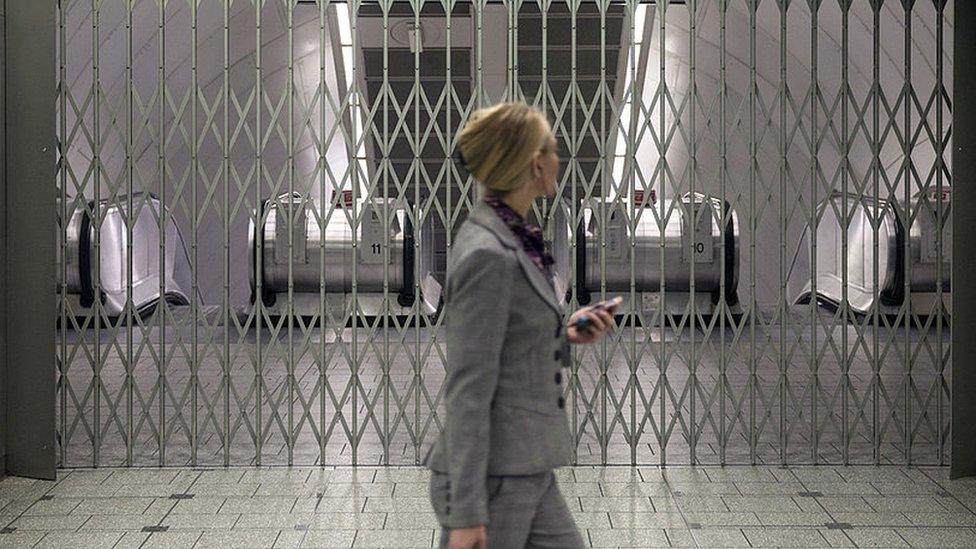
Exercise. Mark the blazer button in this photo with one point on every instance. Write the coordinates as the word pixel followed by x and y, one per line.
pixel 559 378
pixel 562 402
pixel 557 356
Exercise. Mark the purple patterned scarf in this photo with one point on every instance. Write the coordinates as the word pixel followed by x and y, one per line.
pixel 529 234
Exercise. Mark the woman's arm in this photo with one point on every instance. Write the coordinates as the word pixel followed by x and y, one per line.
pixel 477 311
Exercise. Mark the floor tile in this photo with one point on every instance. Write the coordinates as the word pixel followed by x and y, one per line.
pixel 220 476
pixel 769 488
pixel 574 489
pixel 926 518
pixel 87 490
pixel 844 504
pixel 856 473
pixel 410 521
pixel 80 476
pixel 20 539
pixel 723 519
pixel 275 475
pixel 119 522
pixel 674 474
pixel 740 474
pixel 405 474
pixel 354 474
pixel 682 537
pixel 271 520
pixel 394 538
pixel 217 489
pixel 142 476
pixel 716 488
pixel 907 488
pixel 938 537
pixel 289 538
pixel 842 488
pixel 407 489
pixel 50 523
pixel 621 489
pixel 341 505
pixel 784 537
pixel 629 537
pixel 876 537
pixel 195 506
pixel 816 474
pixel 606 474
pixel 793 519
pixel 691 503
pixel 113 506
pixel 262 505
pixel 290 488
pixel 609 504
pixel 238 538
pixel 785 504
pixel 646 520
pixel 389 507
pixel 396 505
pixel 904 504
pixel 329 538
pixel 366 489
pixel 347 521
pixel 150 490
pixel 872 519
pixel 79 540
pixel 58 506
pixel 719 537
pixel 202 522
pixel 169 540
pixel 837 538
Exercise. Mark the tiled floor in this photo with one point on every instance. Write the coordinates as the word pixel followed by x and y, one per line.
pixel 388 507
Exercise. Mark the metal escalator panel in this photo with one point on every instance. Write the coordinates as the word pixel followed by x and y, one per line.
pixel 931 241
pixel 878 259
pixel 149 281
pixel 691 235
pixel 311 248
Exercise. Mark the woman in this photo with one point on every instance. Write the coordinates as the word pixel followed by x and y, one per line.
pixel 506 428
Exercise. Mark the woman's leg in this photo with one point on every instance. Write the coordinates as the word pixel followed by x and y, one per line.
pixel 523 511
pixel 553 525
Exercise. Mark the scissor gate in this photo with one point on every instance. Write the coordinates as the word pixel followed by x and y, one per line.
pixel 767 183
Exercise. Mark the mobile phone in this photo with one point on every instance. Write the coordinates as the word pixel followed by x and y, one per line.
pixel 582 322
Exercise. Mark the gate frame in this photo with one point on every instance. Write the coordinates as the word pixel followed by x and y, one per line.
pixel 963 348
pixel 29 208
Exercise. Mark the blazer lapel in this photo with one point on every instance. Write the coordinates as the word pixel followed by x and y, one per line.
pixel 486 217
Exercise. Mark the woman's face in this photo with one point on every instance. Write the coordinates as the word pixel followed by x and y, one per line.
pixel 546 168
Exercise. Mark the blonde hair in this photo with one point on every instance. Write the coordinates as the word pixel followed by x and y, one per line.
pixel 498 143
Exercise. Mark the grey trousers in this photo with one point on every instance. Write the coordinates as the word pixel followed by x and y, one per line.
pixel 523 511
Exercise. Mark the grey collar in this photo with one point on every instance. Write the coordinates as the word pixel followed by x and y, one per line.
pixel 485 216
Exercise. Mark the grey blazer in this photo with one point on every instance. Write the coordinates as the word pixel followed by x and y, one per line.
pixel 506 347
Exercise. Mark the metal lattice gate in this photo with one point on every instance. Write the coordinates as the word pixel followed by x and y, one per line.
pixel 257 199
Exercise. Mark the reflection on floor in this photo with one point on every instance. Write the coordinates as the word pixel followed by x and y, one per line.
pixel 388 507
pixel 780 395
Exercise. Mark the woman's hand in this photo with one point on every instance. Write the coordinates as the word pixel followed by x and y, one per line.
pixel 475 537
pixel 601 321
